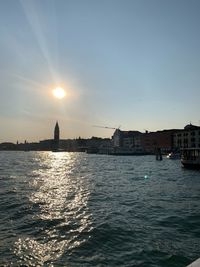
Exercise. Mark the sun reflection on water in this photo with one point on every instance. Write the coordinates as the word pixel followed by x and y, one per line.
pixel 61 194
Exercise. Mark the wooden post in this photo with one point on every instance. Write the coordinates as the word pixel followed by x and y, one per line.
pixel 158 153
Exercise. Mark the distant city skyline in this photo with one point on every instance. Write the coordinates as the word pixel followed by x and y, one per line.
pixel 129 63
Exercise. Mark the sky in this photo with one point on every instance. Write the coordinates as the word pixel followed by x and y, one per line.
pixel 132 64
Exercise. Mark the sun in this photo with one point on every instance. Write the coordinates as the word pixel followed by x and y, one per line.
pixel 59 92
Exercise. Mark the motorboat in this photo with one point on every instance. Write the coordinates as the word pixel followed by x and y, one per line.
pixel 174 155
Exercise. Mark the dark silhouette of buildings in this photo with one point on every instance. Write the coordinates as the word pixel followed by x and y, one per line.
pixel 122 142
pixel 134 142
pixel 163 140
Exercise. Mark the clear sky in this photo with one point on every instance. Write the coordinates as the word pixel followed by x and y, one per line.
pixel 134 63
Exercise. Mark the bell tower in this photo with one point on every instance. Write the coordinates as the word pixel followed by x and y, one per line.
pixel 56 133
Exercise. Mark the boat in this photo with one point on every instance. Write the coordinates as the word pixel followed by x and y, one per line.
pixel 174 155
pixel 190 158
pixel 58 150
pixel 195 263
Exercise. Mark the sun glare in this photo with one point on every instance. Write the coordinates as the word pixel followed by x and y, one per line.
pixel 59 92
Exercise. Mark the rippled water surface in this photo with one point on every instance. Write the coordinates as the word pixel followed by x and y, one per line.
pixel 74 209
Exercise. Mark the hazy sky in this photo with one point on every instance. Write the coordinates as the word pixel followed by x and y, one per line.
pixel 134 63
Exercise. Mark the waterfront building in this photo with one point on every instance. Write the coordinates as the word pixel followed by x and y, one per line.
pixel 127 142
pixel 189 137
pixel 160 139
pixel 98 145
pixel 46 145
pixel 8 146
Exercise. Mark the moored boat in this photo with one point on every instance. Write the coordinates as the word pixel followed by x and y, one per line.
pixel 195 263
pixel 174 155
pixel 190 157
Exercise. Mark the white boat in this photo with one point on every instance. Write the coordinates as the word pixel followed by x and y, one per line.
pixel 190 157
pixel 195 263
pixel 174 155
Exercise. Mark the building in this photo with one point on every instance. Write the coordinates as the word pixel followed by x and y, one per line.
pixel 98 145
pixel 51 144
pixel 189 137
pixel 127 142
pixel 161 139
pixel 8 146
pixel 55 141
pixel 56 133
pixel 143 143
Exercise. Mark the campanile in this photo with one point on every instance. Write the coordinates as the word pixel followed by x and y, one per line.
pixel 56 133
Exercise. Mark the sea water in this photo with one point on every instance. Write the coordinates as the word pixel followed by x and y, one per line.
pixel 76 209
